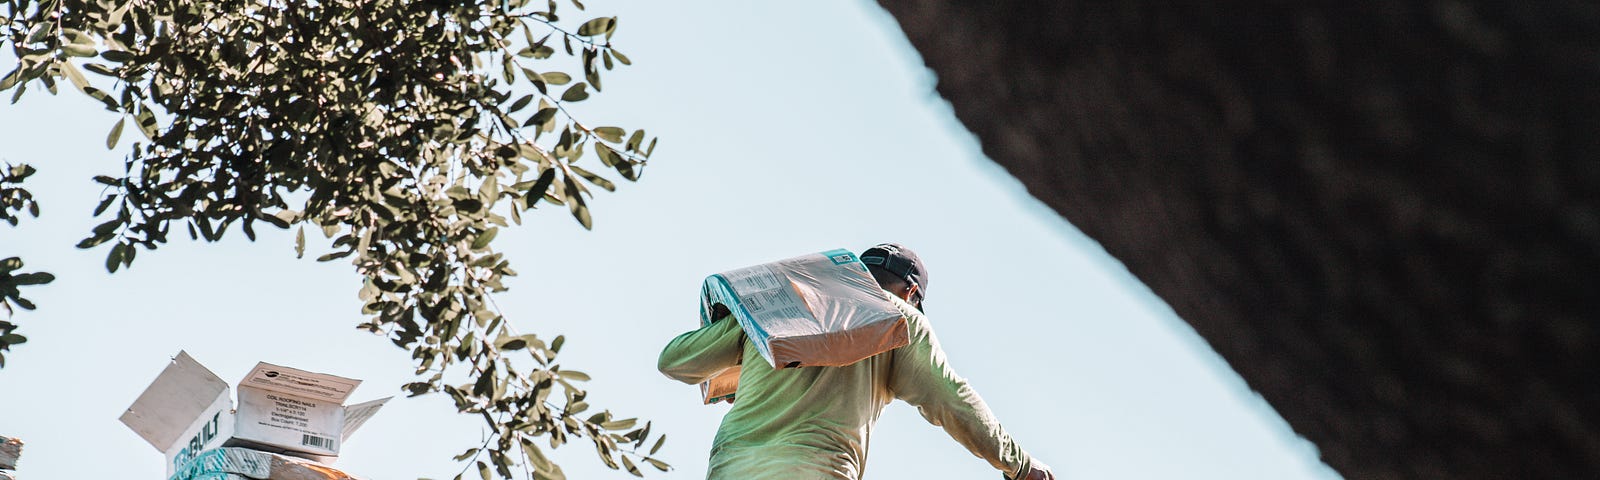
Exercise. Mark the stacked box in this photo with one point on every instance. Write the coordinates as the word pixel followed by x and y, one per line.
pixel 816 310
pixel 188 410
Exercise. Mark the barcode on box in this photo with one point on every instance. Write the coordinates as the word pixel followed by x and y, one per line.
pixel 316 441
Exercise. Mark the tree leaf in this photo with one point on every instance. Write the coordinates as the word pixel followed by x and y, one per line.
pixel 610 134
pixel 633 140
pixel 598 26
pixel 537 190
pixel 74 75
pixel 630 467
pixel 128 254
pixel 287 216
pixel 11 79
pixel 538 82
pixel 520 103
pixel 484 238
pixel 595 179
pixel 660 465
pixel 38 278
pixel 540 117
pixel 104 99
pixel 118 56
pixel 104 204
pixel 575 93
pixel 101 70
pixel 335 255
pixel 556 78
pixel 114 257
pixel 536 457
pixel 116 132
pixel 593 76
pixel 94 241
pixel 147 122
pixel 576 206
pixel 485 384
pixel 77 50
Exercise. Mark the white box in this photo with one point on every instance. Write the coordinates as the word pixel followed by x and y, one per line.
pixel 817 310
pixel 188 410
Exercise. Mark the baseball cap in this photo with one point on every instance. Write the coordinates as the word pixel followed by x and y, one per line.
pixel 902 262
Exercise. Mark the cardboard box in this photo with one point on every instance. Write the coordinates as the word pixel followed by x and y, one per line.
pixel 188 410
pixel 721 386
pixel 822 309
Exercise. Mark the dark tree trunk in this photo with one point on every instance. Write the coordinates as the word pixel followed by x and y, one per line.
pixel 1382 214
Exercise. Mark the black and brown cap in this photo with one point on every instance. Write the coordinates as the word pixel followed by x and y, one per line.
pixel 903 263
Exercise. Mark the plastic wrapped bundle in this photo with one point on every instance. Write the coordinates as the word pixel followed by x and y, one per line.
pixel 233 463
pixel 822 309
pixel 10 452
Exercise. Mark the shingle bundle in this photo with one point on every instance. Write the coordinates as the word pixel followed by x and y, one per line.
pixel 822 309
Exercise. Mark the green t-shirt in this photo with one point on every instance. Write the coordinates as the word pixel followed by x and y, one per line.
pixel 815 422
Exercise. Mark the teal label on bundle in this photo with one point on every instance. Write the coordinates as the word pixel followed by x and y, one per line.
pixel 840 256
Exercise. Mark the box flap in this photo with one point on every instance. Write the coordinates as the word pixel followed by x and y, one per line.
pixel 357 414
pixel 318 386
pixel 208 430
pixel 178 396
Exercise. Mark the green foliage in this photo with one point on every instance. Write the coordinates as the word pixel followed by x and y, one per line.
pixel 392 127
pixel 13 201
pixel 13 198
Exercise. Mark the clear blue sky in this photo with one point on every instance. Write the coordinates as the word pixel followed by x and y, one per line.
pixel 787 128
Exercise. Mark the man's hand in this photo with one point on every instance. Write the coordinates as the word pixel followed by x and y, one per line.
pixel 1040 471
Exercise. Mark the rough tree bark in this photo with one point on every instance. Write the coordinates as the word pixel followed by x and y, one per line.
pixel 1382 214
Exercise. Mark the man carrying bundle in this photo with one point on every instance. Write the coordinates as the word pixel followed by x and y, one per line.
pixel 813 422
